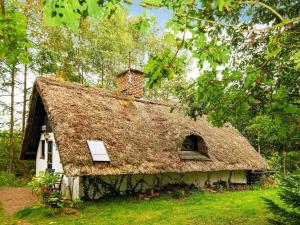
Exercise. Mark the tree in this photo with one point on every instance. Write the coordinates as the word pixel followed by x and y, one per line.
pixel 289 193
pixel 252 80
pixel 13 42
pixel 97 52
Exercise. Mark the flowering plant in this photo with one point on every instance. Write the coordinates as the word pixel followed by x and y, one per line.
pixel 43 184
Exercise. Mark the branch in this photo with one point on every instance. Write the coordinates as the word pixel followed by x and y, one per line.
pixel 212 22
pixel 265 6
pixel 184 33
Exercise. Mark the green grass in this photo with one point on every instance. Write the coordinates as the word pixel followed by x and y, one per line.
pixel 10 180
pixel 6 219
pixel 199 208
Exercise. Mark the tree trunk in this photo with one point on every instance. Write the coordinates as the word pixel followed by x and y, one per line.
pixel 21 164
pixel 3 8
pixel 12 121
pixel 24 100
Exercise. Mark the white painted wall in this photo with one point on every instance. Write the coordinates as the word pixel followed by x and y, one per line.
pixel 70 185
pixel 196 178
pixel 41 163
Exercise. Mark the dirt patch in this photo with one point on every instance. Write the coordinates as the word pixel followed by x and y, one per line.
pixel 15 199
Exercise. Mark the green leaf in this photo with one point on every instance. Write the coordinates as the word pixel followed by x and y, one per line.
pixel 200 42
pixel 93 8
pixel 151 3
pixel 297 59
pixel 169 38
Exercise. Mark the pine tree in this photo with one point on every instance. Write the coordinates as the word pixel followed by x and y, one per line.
pixel 289 211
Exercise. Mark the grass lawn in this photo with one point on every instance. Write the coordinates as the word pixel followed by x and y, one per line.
pixel 245 207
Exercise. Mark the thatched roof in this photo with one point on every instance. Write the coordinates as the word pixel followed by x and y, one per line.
pixel 141 136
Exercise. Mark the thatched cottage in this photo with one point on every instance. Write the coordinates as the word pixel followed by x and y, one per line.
pixel 104 142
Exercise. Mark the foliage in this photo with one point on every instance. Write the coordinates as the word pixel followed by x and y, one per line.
pixel 75 203
pixel 19 171
pixel 10 180
pixel 43 186
pixel 70 12
pixel 247 74
pixel 244 207
pixel 292 162
pixel 96 53
pixel 13 28
pixel 289 194
pixel 55 200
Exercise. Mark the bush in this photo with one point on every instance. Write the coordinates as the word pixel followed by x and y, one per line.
pixel 43 185
pixel 55 200
pixel 10 180
pixel 289 211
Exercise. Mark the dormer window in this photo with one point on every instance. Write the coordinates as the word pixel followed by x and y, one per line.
pixel 193 147
pixel 190 143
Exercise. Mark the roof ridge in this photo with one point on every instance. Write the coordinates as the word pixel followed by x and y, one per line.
pixel 103 92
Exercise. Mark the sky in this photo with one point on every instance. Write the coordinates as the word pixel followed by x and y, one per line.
pixel 162 15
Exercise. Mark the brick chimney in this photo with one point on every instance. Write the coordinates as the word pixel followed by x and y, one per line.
pixel 130 83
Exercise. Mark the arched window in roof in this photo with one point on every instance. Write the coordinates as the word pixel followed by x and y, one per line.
pixel 190 143
pixel 193 147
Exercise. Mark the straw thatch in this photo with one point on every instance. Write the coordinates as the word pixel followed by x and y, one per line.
pixel 141 136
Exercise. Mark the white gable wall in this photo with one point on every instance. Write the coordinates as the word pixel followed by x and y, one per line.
pixel 70 185
pixel 41 164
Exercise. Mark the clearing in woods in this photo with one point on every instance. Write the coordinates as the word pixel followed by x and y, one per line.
pixel 238 208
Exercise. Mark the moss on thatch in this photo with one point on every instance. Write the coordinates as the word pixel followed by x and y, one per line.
pixel 141 136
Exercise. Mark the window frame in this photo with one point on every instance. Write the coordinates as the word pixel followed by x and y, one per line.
pixel 43 149
pixel 50 155
pixel 200 151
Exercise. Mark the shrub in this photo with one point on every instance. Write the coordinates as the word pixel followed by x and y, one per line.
pixel 43 185
pixel 289 211
pixel 76 203
pixel 55 200
pixel 10 180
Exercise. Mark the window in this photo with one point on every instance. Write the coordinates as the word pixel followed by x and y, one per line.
pixel 98 151
pixel 190 143
pixel 50 149
pixel 43 150
pixel 193 148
